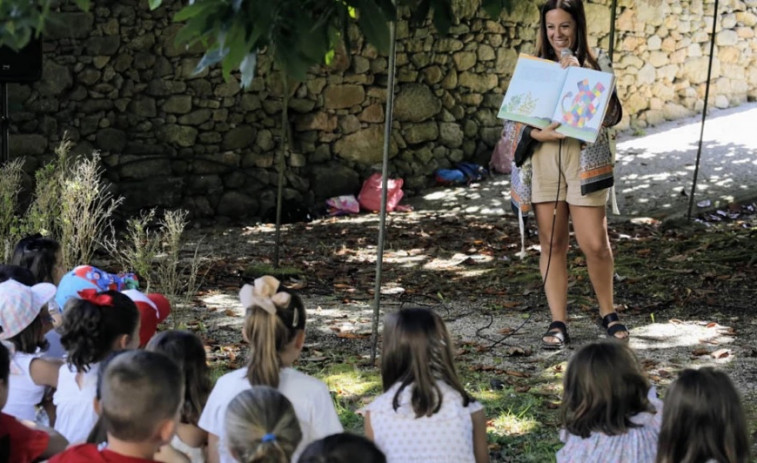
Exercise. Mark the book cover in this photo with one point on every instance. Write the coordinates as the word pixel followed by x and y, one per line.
pixel 541 92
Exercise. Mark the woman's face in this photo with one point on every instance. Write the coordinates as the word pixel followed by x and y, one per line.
pixel 561 29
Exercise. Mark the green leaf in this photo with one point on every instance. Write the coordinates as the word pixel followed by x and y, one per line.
pixel 83 4
pixel 195 9
pixel 443 15
pixel 236 45
pixel 155 4
pixel 374 24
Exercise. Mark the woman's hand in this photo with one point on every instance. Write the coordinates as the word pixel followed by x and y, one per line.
pixel 547 133
pixel 569 60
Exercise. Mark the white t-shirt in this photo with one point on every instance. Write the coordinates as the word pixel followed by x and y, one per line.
pixel 23 393
pixel 309 396
pixel 444 437
pixel 75 413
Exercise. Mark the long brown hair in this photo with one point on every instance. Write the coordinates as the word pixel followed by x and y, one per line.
pixel 581 46
pixel 268 335
pixel 703 420
pixel 188 352
pixel 417 352
pixel 602 389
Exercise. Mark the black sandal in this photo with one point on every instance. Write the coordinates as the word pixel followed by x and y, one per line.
pixel 559 331
pixel 616 328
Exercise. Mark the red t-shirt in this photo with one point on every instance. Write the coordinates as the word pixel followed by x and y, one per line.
pixel 18 443
pixel 88 453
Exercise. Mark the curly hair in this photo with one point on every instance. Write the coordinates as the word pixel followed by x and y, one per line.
pixel 187 350
pixel 89 330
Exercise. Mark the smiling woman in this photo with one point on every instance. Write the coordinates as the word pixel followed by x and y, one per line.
pixel 565 179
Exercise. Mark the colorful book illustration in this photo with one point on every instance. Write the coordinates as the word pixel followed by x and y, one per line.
pixel 541 92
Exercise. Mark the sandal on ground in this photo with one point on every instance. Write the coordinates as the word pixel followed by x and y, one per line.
pixel 556 330
pixel 616 328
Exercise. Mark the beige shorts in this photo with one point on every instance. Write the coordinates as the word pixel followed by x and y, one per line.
pixel 546 171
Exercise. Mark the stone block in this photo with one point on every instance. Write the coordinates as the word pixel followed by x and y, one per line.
pixel 139 167
pixel 364 146
pixel 343 96
pixel 238 138
pixel 416 103
pixel 178 104
pixel 419 133
pixel 333 179
pixel 111 140
pixel 180 135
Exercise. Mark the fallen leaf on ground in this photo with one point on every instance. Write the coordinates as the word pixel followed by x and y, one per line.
pixel 518 374
pixel 699 352
pixel 721 353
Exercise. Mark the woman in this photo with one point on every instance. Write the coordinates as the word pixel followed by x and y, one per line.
pixel 568 179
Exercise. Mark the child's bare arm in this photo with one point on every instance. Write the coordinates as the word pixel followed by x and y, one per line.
pixel 192 435
pixel 55 445
pixel 480 444
pixel 168 454
pixel 213 443
pixel 367 425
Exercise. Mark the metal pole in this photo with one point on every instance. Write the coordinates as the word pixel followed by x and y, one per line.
pixel 613 15
pixel 4 121
pixel 704 109
pixel 384 180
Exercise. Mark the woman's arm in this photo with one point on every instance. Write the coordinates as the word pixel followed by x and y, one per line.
pixel 480 444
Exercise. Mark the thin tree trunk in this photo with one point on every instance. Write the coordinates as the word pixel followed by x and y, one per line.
pixel 281 166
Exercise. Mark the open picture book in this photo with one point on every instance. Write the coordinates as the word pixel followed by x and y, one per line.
pixel 541 92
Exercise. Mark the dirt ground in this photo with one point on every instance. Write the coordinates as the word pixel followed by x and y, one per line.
pixel 685 289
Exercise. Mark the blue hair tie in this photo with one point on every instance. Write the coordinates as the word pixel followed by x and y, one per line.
pixel 270 437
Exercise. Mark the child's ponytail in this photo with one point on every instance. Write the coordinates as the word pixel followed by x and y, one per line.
pixel 93 323
pixel 274 316
pixel 262 426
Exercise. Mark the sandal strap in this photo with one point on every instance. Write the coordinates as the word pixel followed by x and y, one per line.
pixel 557 325
pixel 616 328
pixel 610 318
pixel 559 331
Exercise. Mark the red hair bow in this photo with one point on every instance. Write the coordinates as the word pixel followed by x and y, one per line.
pixel 92 296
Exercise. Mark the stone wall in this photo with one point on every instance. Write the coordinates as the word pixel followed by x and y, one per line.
pixel 116 82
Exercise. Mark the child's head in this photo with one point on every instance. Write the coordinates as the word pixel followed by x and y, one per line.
pixel 41 256
pixel 23 317
pixel 274 327
pixel 342 448
pixel 5 371
pixel 96 324
pixel 604 387
pixel 188 352
pixel 418 351
pixel 261 426
pixel 140 398
pixel 703 420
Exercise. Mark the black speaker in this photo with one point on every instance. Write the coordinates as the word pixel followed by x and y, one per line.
pixel 24 65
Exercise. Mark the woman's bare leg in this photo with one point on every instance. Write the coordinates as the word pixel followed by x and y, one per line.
pixel 553 261
pixel 590 225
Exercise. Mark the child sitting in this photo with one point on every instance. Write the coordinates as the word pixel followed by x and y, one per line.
pixel 424 414
pixel 274 327
pixel 24 320
pixel 610 412
pixel 703 420
pixel 342 448
pixel 262 427
pixel 188 352
pixel 141 397
pixel 93 326
pixel 23 442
